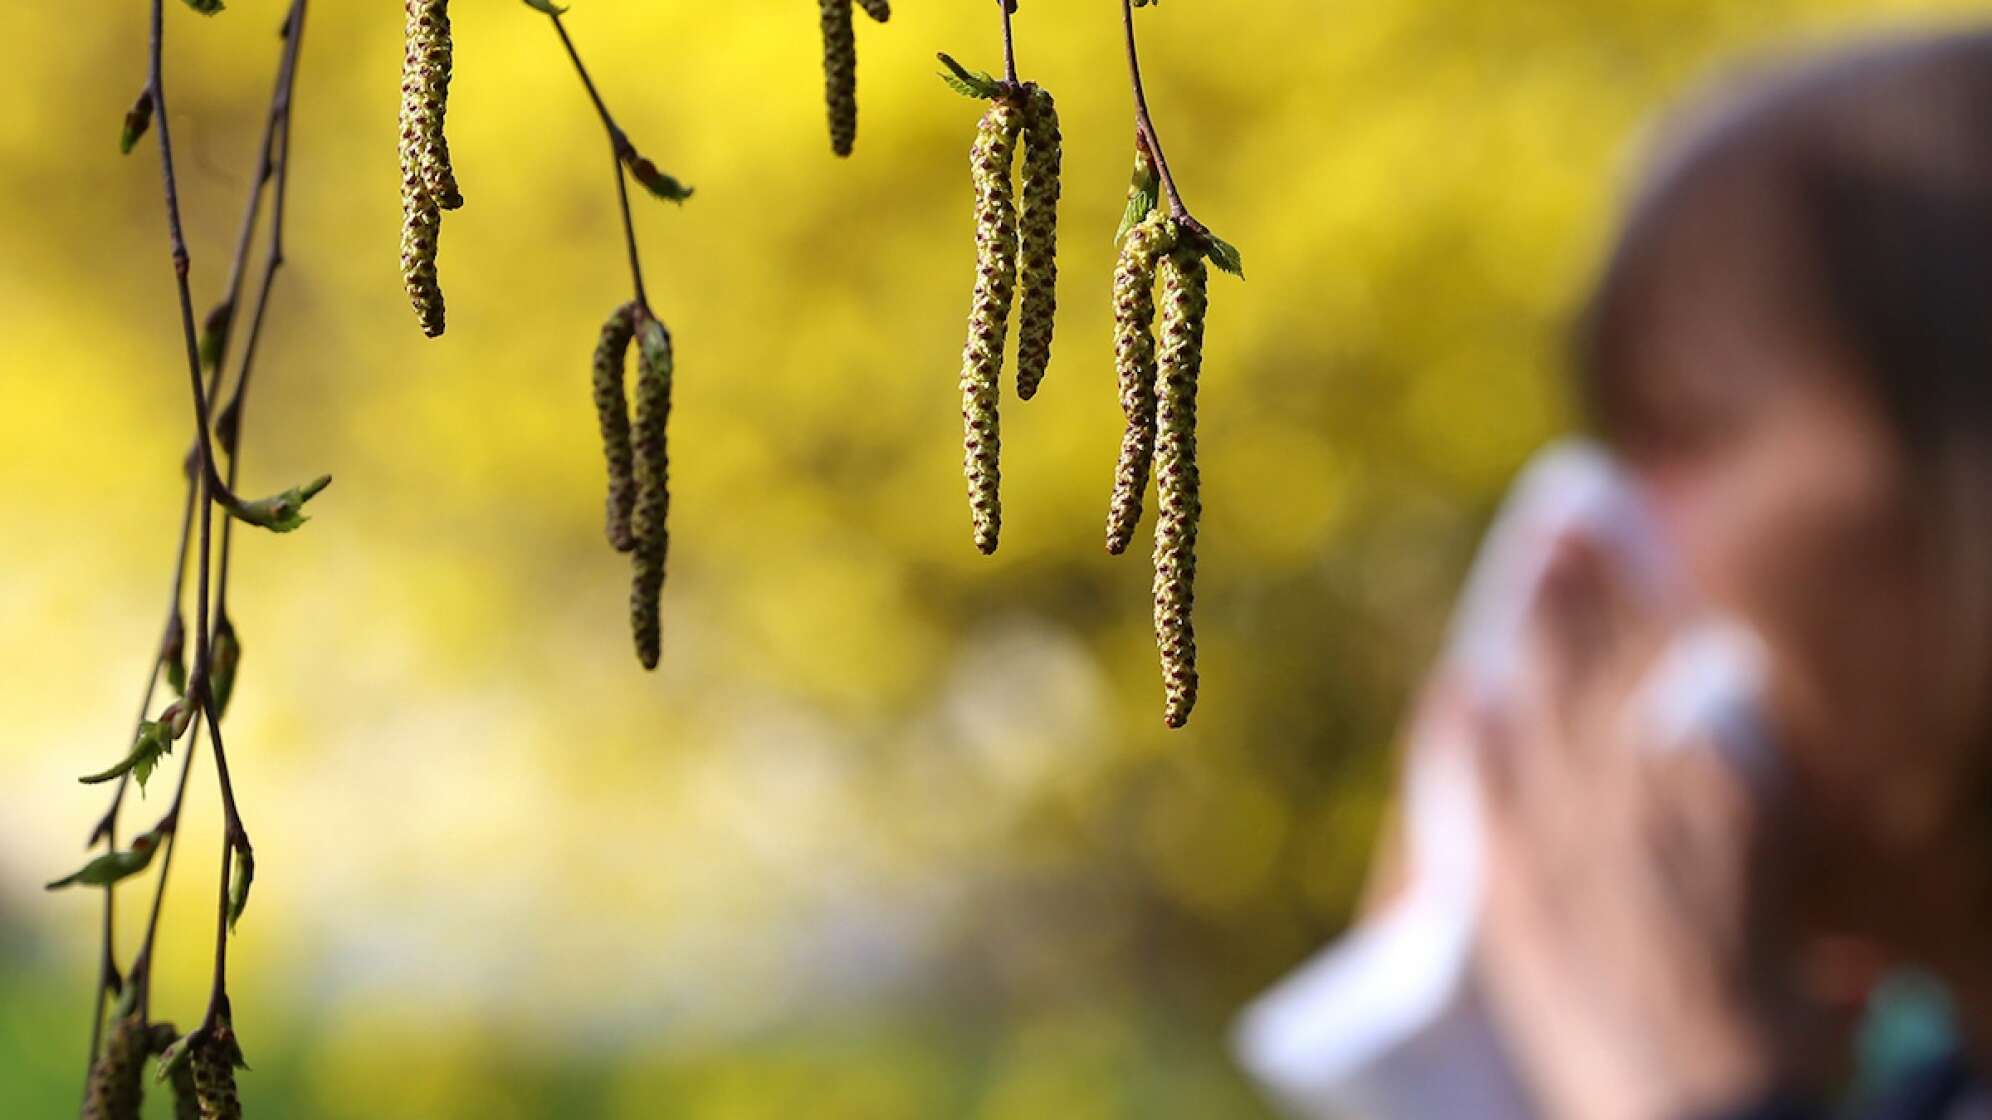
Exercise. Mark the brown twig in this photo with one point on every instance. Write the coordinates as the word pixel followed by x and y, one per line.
pixel 1009 42
pixel 620 150
pixel 1146 136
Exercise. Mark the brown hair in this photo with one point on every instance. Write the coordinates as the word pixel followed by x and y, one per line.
pixel 1868 178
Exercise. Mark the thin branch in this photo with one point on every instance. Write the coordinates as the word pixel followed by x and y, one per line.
pixel 211 489
pixel 1009 41
pixel 108 981
pixel 232 836
pixel 277 145
pixel 1145 134
pixel 169 826
pixel 620 148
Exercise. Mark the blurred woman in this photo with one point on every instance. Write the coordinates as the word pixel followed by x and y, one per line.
pixel 1791 350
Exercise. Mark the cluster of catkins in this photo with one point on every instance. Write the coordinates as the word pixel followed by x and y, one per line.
pixel 638 460
pixel 840 67
pixel 428 185
pixel 1014 247
pixel 200 1068
pixel 1158 392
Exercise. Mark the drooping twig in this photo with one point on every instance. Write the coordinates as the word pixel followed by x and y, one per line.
pixel 273 167
pixel 1009 8
pixel 210 487
pixel 620 151
pixel 1145 134
pixel 108 981
pixel 276 131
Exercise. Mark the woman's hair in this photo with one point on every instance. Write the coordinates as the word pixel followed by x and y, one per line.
pixel 1866 181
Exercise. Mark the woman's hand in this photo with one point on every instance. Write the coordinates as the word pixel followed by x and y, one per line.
pixel 1625 950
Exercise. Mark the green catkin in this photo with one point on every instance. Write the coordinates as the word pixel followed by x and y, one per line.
pixel 1178 499
pixel 1134 358
pixel 653 495
pixel 612 410
pixel 421 127
pixel 1038 242
pixel 114 1091
pixel 840 74
pixel 989 317
pixel 429 64
pixel 879 10
pixel 212 1062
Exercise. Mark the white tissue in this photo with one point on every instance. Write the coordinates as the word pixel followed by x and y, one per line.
pixel 1388 1022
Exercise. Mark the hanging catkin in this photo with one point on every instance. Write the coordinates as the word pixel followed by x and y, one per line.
pixel 989 317
pixel 840 74
pixel 1134 358
pixel 840 67
pixel 428 185
pixel 1038 242
pixel 114 1091
pixel 1178 501
pixel 430 62
pixel 653 496
pixel 612 410
pixel 213 1060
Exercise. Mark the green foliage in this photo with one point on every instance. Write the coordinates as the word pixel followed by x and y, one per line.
pixel 214 332
pixel 1143 193
pixel 153 742
pixel 136 121
pixel 1224 256
pixel 656 182
pixel 976 84
pixel 239 882
pixel 224 657
pixel 280 513
pixel 113 867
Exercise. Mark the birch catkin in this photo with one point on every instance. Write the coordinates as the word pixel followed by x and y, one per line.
pixel 1038 242
pixel 1134 359
pixel 653 495
pixel 1178 499
pixel 213 1060
pixel 989 317
pixel 840 74
pixel 428 185
pixel 114 1091
pixel 612 411
pixel 433 66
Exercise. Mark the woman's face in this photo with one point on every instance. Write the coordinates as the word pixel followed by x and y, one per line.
pixel 1789 501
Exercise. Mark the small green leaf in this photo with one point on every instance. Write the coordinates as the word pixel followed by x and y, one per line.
pixel 175 1057
pixel 173 654
pixel 969 83
pixel 238 887
pixel 547 6
pixel 281 513
pixel 136 122
pixel 205 7
pixel 224 656
pixel 656 182
pixel 214 332
pixel 1224 257
pixel 1143 192
pixel 153 742
pixel 112 867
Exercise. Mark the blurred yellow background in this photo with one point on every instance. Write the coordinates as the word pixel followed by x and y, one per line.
pixel 896 831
